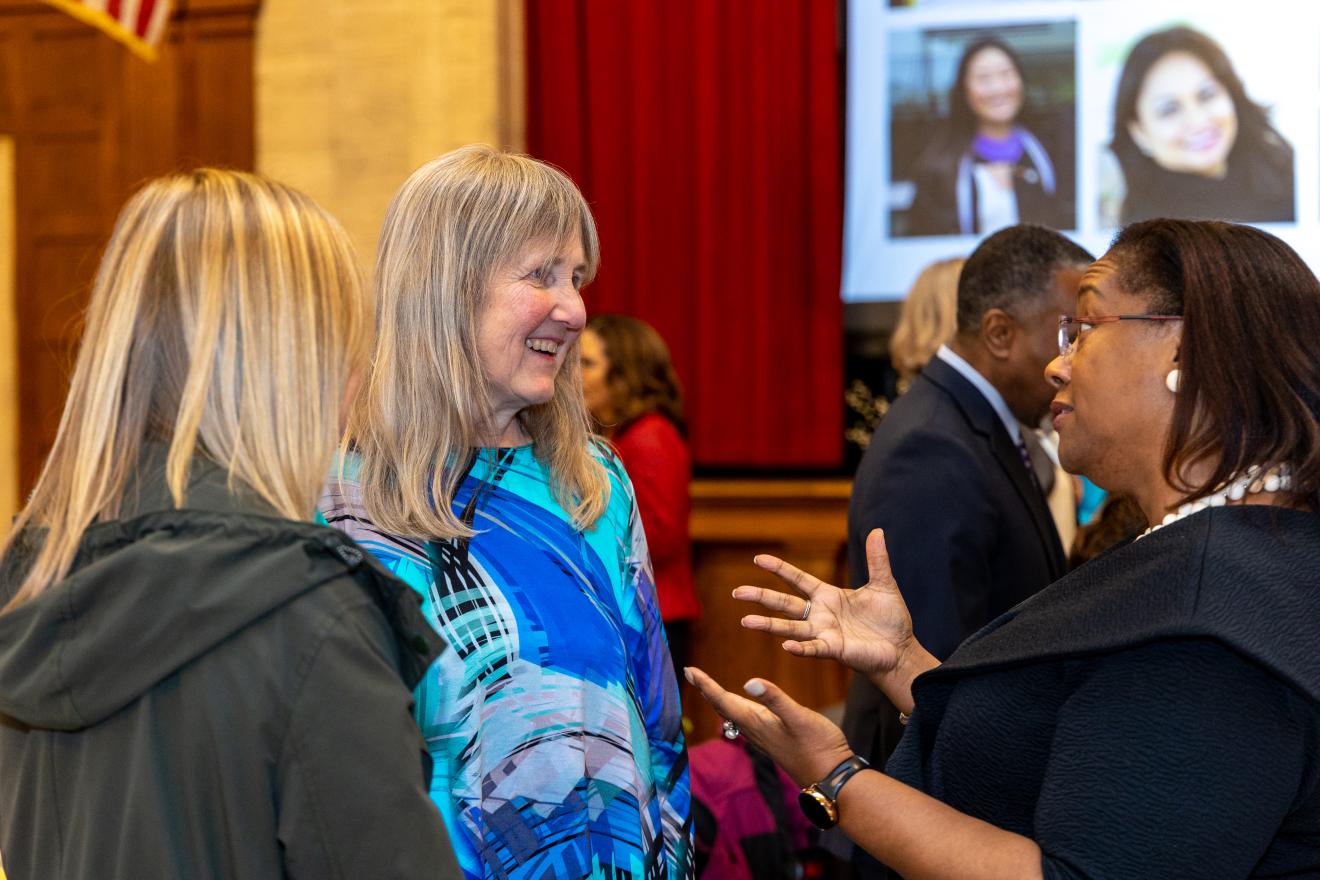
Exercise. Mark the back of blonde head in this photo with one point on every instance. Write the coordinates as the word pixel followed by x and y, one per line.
pixel 929 317
pixel 426 404
pixel 226 319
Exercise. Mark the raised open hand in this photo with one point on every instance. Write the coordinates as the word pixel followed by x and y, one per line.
pixel 868 629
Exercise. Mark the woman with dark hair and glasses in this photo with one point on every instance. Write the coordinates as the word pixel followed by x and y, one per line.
pixel 984 170
pixel 1189 140
pixel 1156 712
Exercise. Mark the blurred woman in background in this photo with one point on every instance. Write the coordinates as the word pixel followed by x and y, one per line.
pixel 926 320
pixel 984 170
pixel 195 681
pixel 636 402
pixel 1190 142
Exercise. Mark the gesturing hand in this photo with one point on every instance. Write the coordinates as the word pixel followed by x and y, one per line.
pixel 868 629
pixel 805 743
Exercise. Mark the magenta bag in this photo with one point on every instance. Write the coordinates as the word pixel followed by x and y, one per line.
pixel 747 822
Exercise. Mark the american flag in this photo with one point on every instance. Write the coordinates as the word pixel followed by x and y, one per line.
pixel 138 24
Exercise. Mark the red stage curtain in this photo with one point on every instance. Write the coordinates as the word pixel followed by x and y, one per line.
pixel 706 135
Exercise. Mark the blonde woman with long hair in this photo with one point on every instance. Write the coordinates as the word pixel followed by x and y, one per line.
pixel 554 721
pixel 195 681
pixel 927 320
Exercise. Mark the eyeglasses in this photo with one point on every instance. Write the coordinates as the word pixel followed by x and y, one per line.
pixel 1071 327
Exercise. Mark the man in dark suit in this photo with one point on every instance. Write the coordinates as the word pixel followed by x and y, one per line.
pixel 947 474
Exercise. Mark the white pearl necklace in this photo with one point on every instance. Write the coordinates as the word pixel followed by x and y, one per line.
pixel 1253 482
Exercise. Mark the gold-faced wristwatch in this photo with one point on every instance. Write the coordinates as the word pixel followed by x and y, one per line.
pixel 819 801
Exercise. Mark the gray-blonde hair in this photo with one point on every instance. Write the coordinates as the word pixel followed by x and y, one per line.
pixel 226 320
pixel 929 317
pixel 426 403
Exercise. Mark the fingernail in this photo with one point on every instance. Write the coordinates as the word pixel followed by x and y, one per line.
pixel 754 687
pixel 687 673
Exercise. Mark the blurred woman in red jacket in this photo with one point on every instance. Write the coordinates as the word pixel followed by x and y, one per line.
pixel 637 404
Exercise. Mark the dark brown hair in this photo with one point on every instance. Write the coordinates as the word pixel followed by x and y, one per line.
pixel 1249 392
pixel 954 137
pixel 641 377
pixel 1118 519
pixel 1256 137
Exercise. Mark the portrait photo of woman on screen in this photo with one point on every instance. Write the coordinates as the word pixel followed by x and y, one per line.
pixel 983 167
pixel 1189 141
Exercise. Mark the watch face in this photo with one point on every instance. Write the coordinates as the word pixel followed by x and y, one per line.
pixel 817 808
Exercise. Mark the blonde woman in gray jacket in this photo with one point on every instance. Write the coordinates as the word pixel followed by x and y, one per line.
pixel 195 681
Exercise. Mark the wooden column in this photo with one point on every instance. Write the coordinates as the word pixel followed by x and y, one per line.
pixel 802 521
pixel 90 123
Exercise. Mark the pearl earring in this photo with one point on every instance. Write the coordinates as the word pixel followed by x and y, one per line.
pixel 1171 381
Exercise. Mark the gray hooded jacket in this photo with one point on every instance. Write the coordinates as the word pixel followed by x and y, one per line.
pixel 215 692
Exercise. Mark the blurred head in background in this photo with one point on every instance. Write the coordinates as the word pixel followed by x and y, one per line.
pixel 1011 292
pixel 928 318
pixel 627 372
pixel 988 91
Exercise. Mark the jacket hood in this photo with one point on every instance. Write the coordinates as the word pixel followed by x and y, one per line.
pixel 151 592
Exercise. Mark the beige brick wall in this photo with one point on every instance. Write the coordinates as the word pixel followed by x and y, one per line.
pixel 355 94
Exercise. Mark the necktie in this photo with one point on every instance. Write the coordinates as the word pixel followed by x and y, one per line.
pixel 1026 455
pixel 1026 462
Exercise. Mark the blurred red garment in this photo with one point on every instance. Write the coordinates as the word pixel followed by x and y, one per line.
pixel 660 467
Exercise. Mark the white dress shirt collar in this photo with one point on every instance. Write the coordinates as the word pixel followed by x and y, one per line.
pixel 988 391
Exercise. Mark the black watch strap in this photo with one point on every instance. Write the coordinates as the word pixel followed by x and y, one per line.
pixel 833 783
pixel 819 800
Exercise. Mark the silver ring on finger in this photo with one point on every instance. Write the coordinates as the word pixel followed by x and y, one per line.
pixel 731 730
pixel 806 612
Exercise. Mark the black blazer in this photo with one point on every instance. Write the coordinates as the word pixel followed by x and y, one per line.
pixel 969 533
pixel 1154 714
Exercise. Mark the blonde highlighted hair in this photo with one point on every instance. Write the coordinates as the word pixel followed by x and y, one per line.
pixel 227 317
pixel 426 405
pixel 929 317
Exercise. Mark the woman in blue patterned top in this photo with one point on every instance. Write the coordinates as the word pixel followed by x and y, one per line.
pixel 554 722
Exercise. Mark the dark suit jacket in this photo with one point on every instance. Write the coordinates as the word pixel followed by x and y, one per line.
pixel 969 533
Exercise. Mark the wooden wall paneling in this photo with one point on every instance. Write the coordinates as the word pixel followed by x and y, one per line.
pixel 801 521
pixel 147 141
pixel 56 268
pixel 9 55
pixel 214 63
pixel 8 334
pixel 64 86
pixel 90 123
pixel 66 179
pixel 64 162
pixel 197 10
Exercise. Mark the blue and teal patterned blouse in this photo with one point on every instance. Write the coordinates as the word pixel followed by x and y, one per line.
pixel 554 721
